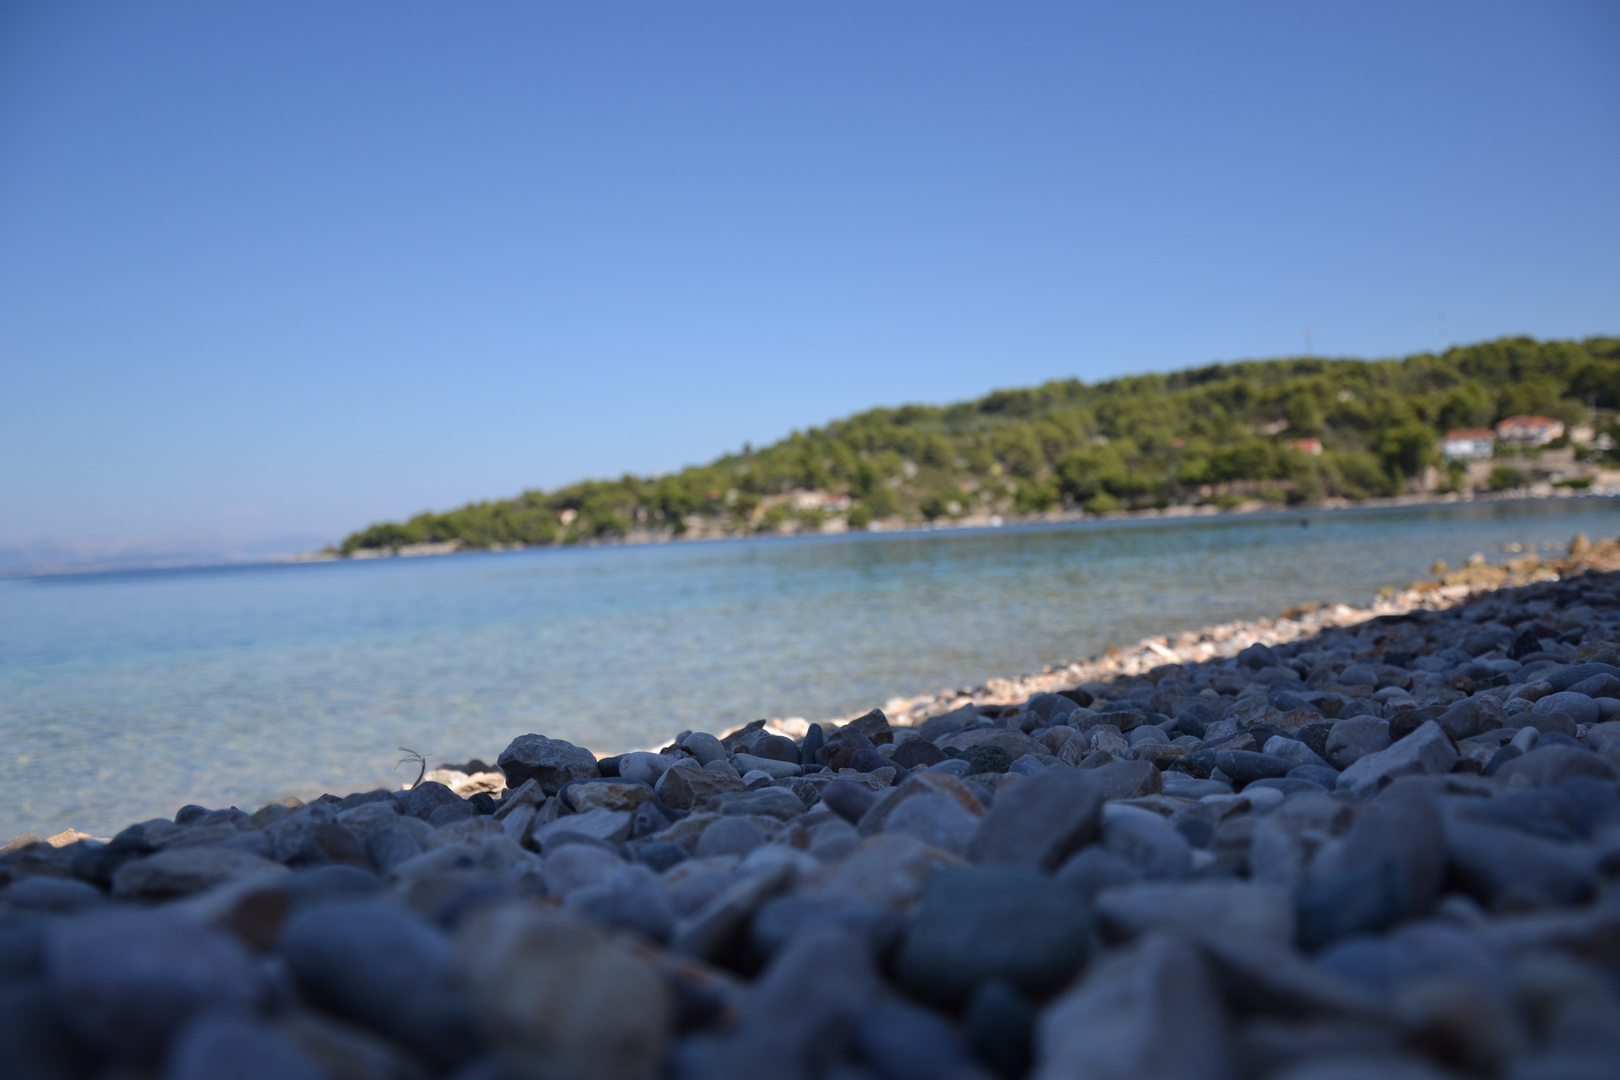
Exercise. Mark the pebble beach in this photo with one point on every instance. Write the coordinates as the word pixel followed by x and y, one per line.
pixel 1344 843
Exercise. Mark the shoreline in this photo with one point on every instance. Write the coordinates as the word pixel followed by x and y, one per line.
pixel 1049 518
pixel 1226 640
pixel 1211 642
pixel 1324 856
pixel 1252 507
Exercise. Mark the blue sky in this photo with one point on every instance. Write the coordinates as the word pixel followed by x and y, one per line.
pixel 269 272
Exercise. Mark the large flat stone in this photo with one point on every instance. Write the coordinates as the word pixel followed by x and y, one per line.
pixel 552 762
pixel 982 923
pixel 1425 752
pixel 1040 820
pixel 1150 1012
pixel 557 997
pixel 1227 910
pixel 183 871
pixel 689 787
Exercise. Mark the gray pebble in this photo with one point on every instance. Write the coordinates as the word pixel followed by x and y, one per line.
pixel 125 981
pixel 383 968
pixel 223 1047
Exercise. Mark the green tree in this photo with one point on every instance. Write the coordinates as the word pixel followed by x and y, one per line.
pixel 1160 438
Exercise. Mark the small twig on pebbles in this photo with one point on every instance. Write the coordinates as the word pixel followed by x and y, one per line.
pixel 420 759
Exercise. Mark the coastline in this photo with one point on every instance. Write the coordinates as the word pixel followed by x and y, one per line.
pixel 1321 857
pixel 891 528
pixel 895 526
pixel 1225 640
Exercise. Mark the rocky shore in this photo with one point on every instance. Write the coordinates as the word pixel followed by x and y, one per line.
pixel 1331 847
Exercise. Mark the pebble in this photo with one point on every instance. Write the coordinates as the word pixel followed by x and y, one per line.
pixel 422 800
pixel 1511 870
pixel 644 767
pixel 224 1047
pixel 1578 707
pixel 625 795
pixel 1295 753
pixel 786 918
pixel 902 1041
pixel 1037 823
pixel 389 845
pixel 1128 779
pixel 1324 776
pixel 1353 739
pixel 935 820
pixel 917 754
pixel 732 836
pixel 182 871
pixel 703 747
pixel 556 997
pixel 848 800
pixel 986 759
pixel 549 762
pixel 34 1043
pixel 126 981
pixel 1550 765
pixel 834 840
pixel 1425 752
pixel 992 923
pixel 708 931
pixel 384 968
pixel 773 802
pixel 1144 1013
pixel 1385 848
pixel 1227 910
pixel 812 991
pixel 888 870
pixel 607 826
pixel 999 1023
pixel 61 896
pixel 578 866
pixel 633 899
pixel 774 768
pixel 1389 866
pixel 1093 869
pixel 1246 766
pixel 1148 842
pixel 687 787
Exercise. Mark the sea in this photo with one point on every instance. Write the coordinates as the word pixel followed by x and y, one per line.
pixel 125 695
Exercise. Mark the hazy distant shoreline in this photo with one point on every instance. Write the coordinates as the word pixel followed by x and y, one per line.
pixel 1056 517
pixel 991 521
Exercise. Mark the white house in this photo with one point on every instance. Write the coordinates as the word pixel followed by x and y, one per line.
pixel 1467 444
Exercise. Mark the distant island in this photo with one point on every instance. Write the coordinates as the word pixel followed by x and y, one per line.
pixel 1512 414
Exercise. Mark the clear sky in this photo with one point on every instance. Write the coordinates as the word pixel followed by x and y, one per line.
pixel 272 271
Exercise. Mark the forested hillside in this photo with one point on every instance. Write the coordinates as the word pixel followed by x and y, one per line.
pixel 1217 434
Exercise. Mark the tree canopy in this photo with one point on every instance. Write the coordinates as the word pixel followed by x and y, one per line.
pixel 1225 432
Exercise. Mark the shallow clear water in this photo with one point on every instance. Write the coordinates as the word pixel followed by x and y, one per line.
pixel 123 696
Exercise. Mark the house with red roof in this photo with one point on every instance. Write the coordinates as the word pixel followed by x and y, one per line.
pixel 1529 430
pixel 1468 444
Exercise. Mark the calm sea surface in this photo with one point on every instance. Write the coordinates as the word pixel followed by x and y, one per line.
pixel 124 696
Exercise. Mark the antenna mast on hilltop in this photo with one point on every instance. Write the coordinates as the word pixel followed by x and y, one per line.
pixel 1307 343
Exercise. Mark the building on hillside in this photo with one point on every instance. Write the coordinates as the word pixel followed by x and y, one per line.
pixel 1530 430
pixel 1306 446
pixel 1468 444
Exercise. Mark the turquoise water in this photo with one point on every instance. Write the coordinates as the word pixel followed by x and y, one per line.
pixel 123 696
